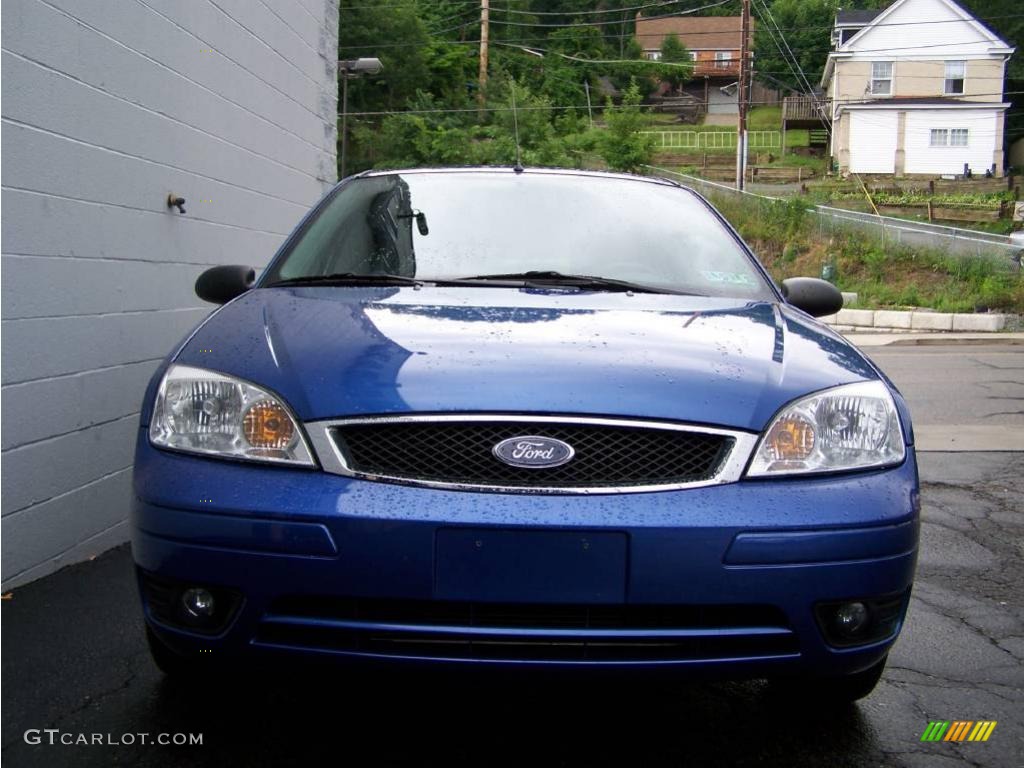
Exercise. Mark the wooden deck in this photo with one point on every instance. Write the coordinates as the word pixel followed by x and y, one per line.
pixel 805 111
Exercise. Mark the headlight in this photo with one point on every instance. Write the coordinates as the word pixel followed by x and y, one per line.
pixel 202 411
pixel 849 427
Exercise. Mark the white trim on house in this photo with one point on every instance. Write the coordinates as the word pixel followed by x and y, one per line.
pixel 987 45
pixel 959 73
pixel 956 9
pixel 900 106
pixel 880 75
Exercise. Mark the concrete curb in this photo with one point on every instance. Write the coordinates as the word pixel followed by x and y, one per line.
pixel 924 320
pixel 938 340
pixel 864 338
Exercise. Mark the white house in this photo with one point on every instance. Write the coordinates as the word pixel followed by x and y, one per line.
pixel 916 88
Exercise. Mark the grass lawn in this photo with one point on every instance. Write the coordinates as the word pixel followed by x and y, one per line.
pixel 818 164
pixel 798 137
pixel 666 122
pixel 787 240
pixel 765 119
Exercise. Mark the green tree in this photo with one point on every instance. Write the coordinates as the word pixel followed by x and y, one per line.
pixel 636 68
pixel 622 145
pixel 673 52
pixel 807 26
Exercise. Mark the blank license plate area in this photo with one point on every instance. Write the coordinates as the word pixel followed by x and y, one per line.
pixel 507 566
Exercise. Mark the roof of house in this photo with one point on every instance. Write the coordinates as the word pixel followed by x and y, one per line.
pixel 849 46
pixel 879 16
pixel 923 102
pixel 856 17
pixel 695 32
pixel 897 101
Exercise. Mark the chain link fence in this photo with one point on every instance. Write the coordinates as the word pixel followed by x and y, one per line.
pixel 888 230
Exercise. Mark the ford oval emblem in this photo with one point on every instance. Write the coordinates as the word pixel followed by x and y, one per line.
pixel 533 452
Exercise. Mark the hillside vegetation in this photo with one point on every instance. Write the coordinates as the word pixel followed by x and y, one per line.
pixel 785 236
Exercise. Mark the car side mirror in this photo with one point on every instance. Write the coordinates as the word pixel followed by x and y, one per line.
pixel 817 298
pixel 219 285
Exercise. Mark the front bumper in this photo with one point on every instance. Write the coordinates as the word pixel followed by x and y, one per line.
pixel 723 579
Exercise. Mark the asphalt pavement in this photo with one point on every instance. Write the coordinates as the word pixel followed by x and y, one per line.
pixel 74 658
pixel 964 396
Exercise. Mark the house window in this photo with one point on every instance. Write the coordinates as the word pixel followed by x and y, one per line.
pixel 949 137
pixel 723 59
pixel 955 76
pixel 653 55
pixel 693 55
pixel 881 78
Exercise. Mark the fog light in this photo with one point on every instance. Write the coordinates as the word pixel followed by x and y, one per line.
pixel 198 602
pixel 850 618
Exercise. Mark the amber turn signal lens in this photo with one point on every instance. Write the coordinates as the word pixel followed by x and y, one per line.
pixel 791 439
pixel 268 425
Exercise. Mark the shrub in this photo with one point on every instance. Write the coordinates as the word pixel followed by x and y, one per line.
pixel 623 146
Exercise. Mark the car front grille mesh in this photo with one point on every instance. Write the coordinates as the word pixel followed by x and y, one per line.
pixel 461 453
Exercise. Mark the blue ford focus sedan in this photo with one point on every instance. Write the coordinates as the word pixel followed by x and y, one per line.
pixel 525 419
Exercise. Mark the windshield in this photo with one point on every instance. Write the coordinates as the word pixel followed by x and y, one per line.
pixel 445 226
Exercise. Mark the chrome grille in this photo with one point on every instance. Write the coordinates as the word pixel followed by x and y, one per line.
pixel 458 452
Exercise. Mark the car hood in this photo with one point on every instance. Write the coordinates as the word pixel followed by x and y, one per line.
pixel 346 351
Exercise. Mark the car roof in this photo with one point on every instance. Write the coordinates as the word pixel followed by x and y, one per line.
pixel 499 170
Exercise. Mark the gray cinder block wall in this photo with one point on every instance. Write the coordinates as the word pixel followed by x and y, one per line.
pixel 108 106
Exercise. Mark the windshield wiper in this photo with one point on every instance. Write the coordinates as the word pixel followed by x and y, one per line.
pixel 535 278
pixel 576 281
pixel 347 278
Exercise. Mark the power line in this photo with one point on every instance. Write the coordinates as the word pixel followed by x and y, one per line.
pixel 949 118
pixel 828 49
pixel 441 110
pixel 446 19
pixel 789 50
pixel 547 51
pixel 537 50
pixel 660 128
pixel 789 63
pixel 525 40
pixel 794 64
pixel 476 5
pixel 718 32
pixel 828 27
pixel 374 7
pixel 605 12
pixel 575 24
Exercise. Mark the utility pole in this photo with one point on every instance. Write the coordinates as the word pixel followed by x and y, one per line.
pixel 485 28
pixel 344 120
pixel 743 96
pixel 590 110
